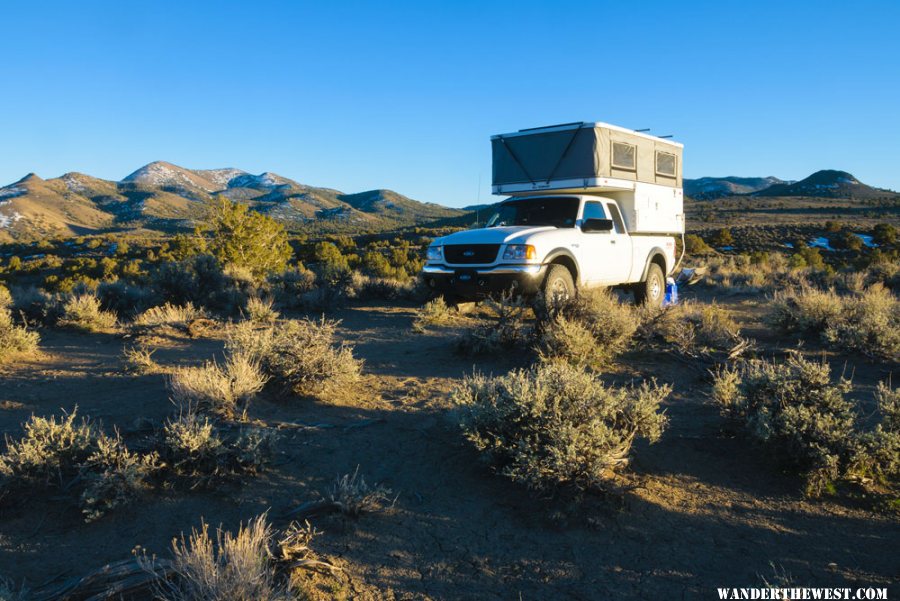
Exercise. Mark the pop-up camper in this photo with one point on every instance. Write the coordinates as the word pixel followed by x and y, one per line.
pixel 641 172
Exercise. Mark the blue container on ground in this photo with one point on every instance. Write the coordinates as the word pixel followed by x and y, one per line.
pixel 671 297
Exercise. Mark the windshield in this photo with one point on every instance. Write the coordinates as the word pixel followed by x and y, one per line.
pixel 556 212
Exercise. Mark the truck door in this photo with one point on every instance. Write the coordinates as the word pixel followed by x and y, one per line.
pixel 605 257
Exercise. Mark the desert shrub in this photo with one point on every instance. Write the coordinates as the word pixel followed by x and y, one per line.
pixel 374 288
pixel 884 234
pixel 302 354
pixel 194 447
pixel 695 329
pixel 114 476
pixel 76 455
pixel 125 299
pixel 83 312
pixel 589 330
pixel 723 238
pixel 225 568
pixel 290 285
pixel 555 424
pixel 224 389
pixel 331 265
pixel 14 339
pixel 261 310
pixel 32 302
pixel 883 444
pixel 49 449
pixel 695 245
pixel 434 313
pixel 353 496
pixel 139 360
pixel 506 329
pixel 245 238
pixel 6 299
pixel 869 323
pixel 200 280
pixel 796 410
pixel 807 310
pixel 169 315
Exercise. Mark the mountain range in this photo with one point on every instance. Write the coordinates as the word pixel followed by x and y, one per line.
pixel 166 197
pixel 827 183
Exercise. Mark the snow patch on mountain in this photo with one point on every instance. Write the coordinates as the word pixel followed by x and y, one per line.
pixel 11 192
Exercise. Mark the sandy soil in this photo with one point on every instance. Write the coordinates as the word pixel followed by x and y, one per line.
pixel 707 510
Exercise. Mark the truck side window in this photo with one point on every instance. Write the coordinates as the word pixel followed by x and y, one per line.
pixel 593 210
pixel 617 218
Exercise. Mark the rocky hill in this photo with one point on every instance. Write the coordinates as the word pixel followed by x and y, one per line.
pixel 828 183
pixel 708 188
pixel 166 197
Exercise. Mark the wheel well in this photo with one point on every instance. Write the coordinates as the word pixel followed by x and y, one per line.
pixel 661 261
pixel 569 263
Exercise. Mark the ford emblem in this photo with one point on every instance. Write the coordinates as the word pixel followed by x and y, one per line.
pixel 469 253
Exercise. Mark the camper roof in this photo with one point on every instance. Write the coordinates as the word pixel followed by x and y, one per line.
pixel 577 125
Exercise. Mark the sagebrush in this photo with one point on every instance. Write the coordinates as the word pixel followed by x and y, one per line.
pixel 556 424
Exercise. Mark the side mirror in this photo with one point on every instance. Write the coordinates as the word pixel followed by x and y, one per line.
pixel 597 225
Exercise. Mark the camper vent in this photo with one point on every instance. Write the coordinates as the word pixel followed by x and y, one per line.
pixel 665 164
pixel 624 156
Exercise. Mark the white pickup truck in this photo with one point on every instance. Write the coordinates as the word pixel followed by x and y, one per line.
pixel 554 245
pixel 592 205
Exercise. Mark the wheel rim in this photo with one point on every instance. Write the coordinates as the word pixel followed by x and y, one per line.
pixel 655 288
pixel 559 292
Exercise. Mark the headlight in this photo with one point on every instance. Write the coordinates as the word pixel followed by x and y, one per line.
pixel 434 253
pixel 519 252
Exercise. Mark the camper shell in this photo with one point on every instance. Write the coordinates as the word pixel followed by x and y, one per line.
pixel 639 171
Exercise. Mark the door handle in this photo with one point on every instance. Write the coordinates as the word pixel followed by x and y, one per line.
pixel 612 241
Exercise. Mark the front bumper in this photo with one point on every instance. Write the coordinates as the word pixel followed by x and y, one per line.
pixel 475 283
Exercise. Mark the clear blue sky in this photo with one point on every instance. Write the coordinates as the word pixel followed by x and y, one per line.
pixel 404 95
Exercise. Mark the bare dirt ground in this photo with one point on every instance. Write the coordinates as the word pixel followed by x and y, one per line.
pixel 707 509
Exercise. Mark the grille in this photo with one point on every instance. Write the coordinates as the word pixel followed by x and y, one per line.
pixel 468 254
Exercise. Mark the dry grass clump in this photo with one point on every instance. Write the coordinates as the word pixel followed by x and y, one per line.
pixel 434 313
pixel 589 330
pixel 15 340
pixel 507 328
pixel 170 315
pixel 302 354
pixel 868 323
pixel 557 425
pixel 261 310
pixel 797 411
pixel 114 477
pixel 83 312
pixel 229 567
pixel 194 447
pixel 353 496
pixel 139 360
pixel 223 389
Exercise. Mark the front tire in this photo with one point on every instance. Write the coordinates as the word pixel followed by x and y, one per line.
pixel 652 290
pixel 558 287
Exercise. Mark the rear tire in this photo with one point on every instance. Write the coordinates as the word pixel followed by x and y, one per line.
pixel 652 290
pixel 558 287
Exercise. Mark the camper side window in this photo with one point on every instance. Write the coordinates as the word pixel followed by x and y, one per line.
pixel 665 164
pixel 623 156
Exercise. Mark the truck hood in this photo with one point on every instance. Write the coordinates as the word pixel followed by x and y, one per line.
pixel 494 235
